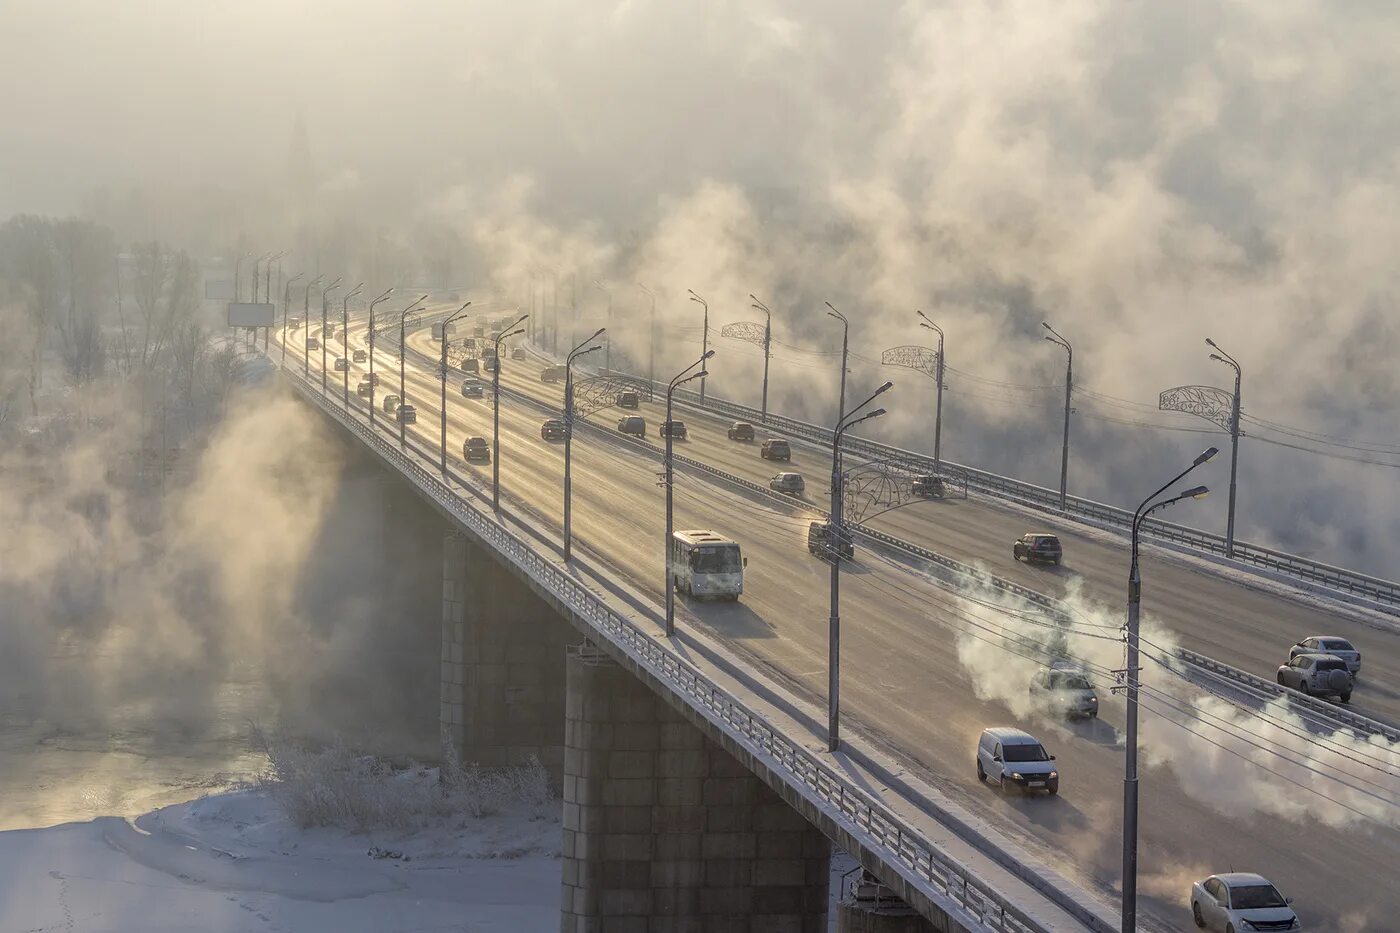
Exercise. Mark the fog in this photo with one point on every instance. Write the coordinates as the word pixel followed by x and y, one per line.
pixel 1141 176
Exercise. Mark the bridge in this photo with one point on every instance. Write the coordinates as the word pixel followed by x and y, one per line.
pixel 694 773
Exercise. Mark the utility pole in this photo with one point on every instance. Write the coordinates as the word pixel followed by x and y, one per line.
pixel 704 336
pixel 325 291
pixel 651 350
pixel 1223 357
pixel 508 331
pixel 372 386
pixel 1069 389
pixel 845 345
pixel 306 327
pixel 345 344
pixel 938 404
pixel 286 299
pixel 579 350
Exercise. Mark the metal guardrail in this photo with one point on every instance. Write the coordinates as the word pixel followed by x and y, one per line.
pixel 923 863
pixel 1270 688
pixel 1384 592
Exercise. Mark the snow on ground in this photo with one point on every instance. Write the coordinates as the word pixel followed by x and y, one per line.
pixel 236 862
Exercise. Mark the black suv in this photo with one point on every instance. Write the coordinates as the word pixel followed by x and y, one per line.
pixel 553 430
pixel 775 448
pixel 628 400
pixel 632 424
pixel 675 429
pixel 1037 547
pixel 475 449
pixel 741 431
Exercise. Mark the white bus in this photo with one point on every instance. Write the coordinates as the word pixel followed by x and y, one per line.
pixel 705 565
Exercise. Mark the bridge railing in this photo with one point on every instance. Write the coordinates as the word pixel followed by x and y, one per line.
pixel 918 859
pixel 1386 593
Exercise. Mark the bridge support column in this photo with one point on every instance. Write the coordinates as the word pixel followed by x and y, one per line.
pixel 502 685
pixel 878 910
pixel 666 831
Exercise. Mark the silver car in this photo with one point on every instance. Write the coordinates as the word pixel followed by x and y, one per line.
pixel 1065 692
pixel 1329 644
pixel 791 483
pixel 1322 675
pixel 1238 901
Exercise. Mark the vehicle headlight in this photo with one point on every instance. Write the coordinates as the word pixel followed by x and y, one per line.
pixel 1017 775
pixel 1053 775
pixel 1093 699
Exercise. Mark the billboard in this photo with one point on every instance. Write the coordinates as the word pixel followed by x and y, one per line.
pixel 218 289
pixel 246 314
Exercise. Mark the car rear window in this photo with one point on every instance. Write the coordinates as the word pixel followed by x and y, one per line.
pixel 1337 644
pixel 1045 539
pixel 1331 664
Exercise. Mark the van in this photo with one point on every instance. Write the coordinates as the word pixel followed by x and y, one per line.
pixel 632 424
pixel 1015 760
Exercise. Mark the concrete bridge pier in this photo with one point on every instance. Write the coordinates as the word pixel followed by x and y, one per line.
pixel 867 906
pixel 502 682
pixel 666 831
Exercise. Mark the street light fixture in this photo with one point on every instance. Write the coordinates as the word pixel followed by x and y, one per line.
pixel 1221 356
pixel 579 350
pixel 372 386
pixel 836 536
pixel 704 335
pixel 442 375
pixel 668 478
pixel 510 330
pixel 767 350
pixel 928 324
pixel 345 343
pixel 287 297
pixel 403 396
pixel 306 327
pixel 324 292
pixel 1130 687
pixel 1069 389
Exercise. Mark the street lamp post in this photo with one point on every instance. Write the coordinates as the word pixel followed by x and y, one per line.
pixel 403 395
pixel 286 298
pixel 237 270
pixel 306 327
pixel 442 374
pixel 1223 357
pixel 669 481
pixel 324 292
pixel 508 331
pixel 1130 688
pixel 767 349
pixel 267 286
pixel 836 536
pixel 651 329
pixel 938 404
pixel 607 347
pixel 372 386
pixel 1069 389
pixel 345 343
pixel 845 345
pixel 257 262
pixel 579 350
pixel 704 335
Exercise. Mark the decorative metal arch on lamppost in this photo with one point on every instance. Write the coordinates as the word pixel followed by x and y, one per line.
pixel 286 298
pixel 668 480
pixel 324 292
pixel 510 330
pixel 836 537
pixel 1069 389
pixel 704 334
pixel 442 375
pixel 380 298
pixel 579 350
pixel 1130 688
pixel 403 393
pixel 306 327
pixel 926 323
pixel 1222 357
pixel 345 344
pixel 845 346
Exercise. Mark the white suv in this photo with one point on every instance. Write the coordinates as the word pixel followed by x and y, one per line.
pixel 1014 759
pixel 1239 901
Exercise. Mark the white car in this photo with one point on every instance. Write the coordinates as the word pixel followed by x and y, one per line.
pixel 1240 902
pixel 1329 644
pixel 1015 759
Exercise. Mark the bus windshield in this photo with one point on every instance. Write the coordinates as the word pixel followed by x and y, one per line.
pixel 713 559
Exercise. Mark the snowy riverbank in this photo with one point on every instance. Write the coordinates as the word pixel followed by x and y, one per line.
pixel 236 862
